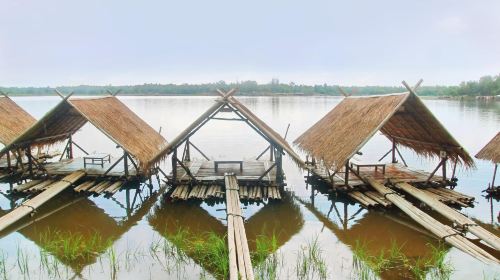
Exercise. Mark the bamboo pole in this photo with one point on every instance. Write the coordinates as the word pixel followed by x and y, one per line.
pixel 452 215
pixel 444 232
pixel 31 205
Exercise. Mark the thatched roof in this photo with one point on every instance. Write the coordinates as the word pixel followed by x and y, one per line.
pixel 108 114
pixel 402 117
pixel 491 151
pixel 249 116
pixel 13 120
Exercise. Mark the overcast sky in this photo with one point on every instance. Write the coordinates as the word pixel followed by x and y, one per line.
pixel 49 43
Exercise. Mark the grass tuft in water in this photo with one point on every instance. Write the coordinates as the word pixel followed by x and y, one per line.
pixel 73 247
pixel 265 259
pixel 310 263
pixel 368 266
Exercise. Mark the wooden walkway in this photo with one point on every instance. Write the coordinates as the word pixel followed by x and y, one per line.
pixel 442 231
pixel 462 221
pixel 31 205
pixel 240 265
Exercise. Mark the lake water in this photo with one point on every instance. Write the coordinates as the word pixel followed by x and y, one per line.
pixel 136 235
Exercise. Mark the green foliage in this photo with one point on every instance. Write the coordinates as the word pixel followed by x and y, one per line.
pixel 372 266
pixel 310 263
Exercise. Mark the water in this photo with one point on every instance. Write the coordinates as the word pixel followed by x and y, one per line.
pixel 134 241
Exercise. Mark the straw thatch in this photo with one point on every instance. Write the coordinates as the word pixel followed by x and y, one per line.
pixel 400 117
pixel 108 114
pixel 13 120
pixel 491 151
pixel 122 126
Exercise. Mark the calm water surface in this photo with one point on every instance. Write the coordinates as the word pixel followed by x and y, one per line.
pixel 337 226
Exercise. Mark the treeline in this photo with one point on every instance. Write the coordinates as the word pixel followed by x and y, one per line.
pixel 485 86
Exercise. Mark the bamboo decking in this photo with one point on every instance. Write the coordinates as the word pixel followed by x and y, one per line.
pixel 204 171
pixel 89 187
pixel 31 205
pixel 68 166
pixel 393 171
pixel 203 192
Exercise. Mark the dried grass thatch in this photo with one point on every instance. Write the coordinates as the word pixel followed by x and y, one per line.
pixel 108 114
pixel 491 151
pixel 13 120
pixel 400 117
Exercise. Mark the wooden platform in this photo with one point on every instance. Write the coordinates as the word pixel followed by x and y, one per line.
pixel 246 193
pixel 67 166
pixel 204 171
pixel 393 171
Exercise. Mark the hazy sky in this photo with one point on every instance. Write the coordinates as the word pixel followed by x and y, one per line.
pixel 47 43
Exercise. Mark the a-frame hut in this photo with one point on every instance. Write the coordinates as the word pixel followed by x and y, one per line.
pixel 491 152
pixel 13 121
pixel 139 141
pixel 189 174
pixel 403 118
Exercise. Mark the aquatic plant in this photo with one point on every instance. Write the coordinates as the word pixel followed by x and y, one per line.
pixel 3 265
pixel 72 247
pixel 265 259
pixel 310 263
pixel 23 262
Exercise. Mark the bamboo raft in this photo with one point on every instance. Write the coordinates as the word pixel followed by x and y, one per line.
pixel 30 206
pixel 203 192
pixel 442 231
pixel 464 222
pixel 91 187
pixel 240 265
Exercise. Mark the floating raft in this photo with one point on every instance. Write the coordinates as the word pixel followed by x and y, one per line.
pixel 442 231
pixel 88 187
pixel 31 205
pixel 240 265
pixel 253 193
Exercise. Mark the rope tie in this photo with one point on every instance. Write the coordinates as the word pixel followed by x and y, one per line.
pixel 33 210
pixel 232 189
pixel 236 215
pixel 449 235
pixel 465 226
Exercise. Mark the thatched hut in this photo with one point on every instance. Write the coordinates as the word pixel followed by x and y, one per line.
pixel 278 146
pixel 139 141
pixel 403 118
pixel 491 152
pixel 13 120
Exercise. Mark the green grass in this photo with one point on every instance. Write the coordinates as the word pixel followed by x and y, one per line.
pixel 265 258
pixel 3 265
pixel 73 247
pixel 310 263
pixel 369 266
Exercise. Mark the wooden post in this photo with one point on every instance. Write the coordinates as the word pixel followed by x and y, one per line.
pixel 188 154
pixel 70 147
pixel 394 151
pixel 346 176
pixel 125 163
pixel 174 167
pixel 494 175
pixel 9 165
pixel 30 161
pixel 279 166
pixel 445 159
pixel 271 151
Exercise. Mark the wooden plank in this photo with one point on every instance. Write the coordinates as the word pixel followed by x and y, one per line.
pixel 442 231
pixel 451 214
pixel 31 205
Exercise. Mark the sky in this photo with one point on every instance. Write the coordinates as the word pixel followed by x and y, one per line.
pixel 55 43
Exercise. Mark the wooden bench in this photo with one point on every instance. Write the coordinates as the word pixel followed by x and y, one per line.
pixel 357 165
pixel 96 159
pixel 217 162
